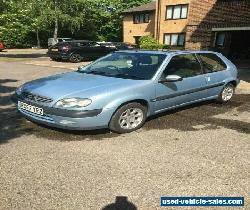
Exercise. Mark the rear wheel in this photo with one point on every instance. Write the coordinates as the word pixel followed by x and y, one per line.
pixel 75 58
pixel 128 118
pixel 226 93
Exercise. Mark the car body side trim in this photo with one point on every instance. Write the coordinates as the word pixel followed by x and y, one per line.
pixel 187 103
pixel 160 98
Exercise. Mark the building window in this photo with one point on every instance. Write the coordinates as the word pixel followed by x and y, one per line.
pixel 141 18
pixel 174 39
pixel 220 39
pixel 174 12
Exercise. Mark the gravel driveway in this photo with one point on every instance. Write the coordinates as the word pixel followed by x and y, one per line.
pixel 200 150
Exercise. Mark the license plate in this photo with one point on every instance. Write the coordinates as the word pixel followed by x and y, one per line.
pixel 54 50
pixel 30 108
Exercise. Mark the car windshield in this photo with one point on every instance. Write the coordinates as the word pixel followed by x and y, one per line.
pixel 138 66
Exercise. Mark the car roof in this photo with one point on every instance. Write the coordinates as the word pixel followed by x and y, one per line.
pixel 167 52
pixel 77 41
pixel 81 41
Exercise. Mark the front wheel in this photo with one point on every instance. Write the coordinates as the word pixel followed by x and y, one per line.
pixel 226 93
pixel 75 58
pixel 128 118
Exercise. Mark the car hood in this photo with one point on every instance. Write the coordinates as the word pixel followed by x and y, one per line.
pixel 74 83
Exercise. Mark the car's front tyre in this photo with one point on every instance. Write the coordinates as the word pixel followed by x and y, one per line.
pixel 128 118
pixel 226 93
pixel 75 58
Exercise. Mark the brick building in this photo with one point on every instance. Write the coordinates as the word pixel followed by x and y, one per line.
pixel 139 21
pixel 222 25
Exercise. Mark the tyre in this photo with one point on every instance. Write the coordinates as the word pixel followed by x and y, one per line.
pixel 226 93
pixel 128 118
pixel 75 58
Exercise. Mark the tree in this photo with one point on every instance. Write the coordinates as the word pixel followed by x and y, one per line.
pixel 108 15
pixel 26 22
pixel 150 43
pixel 15 22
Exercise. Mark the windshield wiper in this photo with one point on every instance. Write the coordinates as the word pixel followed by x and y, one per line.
pixel 125 76
pixel 128 76
pixel 96 72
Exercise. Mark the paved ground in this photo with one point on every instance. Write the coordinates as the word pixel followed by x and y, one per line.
pixel 200 150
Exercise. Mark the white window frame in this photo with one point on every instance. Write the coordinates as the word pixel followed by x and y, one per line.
pixel 178 39
pixel 172 9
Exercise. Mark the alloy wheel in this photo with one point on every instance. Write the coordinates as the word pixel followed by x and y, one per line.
pixel 131 118
pixel 227 93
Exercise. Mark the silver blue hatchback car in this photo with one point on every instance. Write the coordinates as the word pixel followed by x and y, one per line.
pixel 122 89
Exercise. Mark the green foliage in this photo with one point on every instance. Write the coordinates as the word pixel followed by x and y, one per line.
pixel 21 21
pixel 15 23
pixel 149 43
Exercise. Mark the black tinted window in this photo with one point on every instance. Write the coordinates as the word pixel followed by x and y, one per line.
pixel 81 44
pixel 183 66
pixel 94 44
pixel 211 62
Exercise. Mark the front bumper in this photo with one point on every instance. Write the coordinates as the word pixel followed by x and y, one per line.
pixel 67 119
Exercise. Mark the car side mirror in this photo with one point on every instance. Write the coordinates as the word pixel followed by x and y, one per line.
pixel 171 78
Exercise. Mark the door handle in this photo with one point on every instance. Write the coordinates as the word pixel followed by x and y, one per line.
pixel 208 78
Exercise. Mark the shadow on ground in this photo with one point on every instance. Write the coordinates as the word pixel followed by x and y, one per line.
pixel 10 121
pixel 121 203
pixel 191 118
pixel 201 116
pixel 23 55
pixel 13 125
pixel 244 69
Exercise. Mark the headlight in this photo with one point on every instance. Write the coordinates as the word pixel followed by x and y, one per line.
pixel 19 90
pixel 73 103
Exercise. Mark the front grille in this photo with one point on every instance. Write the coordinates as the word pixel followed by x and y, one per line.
pixel 36 98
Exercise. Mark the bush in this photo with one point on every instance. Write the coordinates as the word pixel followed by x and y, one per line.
pixel 150 43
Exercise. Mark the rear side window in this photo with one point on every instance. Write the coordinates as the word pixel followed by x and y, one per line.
pixel 81 44
pixel 93 44
pixel 211 62
pixel 185 65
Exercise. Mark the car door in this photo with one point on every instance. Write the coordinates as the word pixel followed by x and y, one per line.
pixel 87 50
pixel 84 49
pixel 215 72
pixel 98 50
pixel 190 89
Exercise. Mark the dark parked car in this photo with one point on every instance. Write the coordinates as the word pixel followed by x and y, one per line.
pixel 77 51
pixel 2 47
pixel 125 46
pixel 119 45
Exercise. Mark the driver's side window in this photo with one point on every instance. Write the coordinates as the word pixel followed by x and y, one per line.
pixel 185 65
